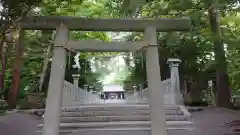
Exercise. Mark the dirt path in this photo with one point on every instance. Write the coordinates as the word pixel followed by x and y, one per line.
pixel 207 122
pixel 213 121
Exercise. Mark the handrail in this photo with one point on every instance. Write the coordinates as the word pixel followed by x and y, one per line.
pixel 72 95
pixel 142 95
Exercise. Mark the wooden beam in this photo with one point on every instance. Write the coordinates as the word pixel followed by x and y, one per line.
pixel 97 24
pixel 100 46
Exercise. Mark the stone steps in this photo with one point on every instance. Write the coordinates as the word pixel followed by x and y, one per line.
pixel 118 124
pixel 114 131
pixel 113 107
pixel 115 112
pixel 118 112
pixel 119 118
pixel 116 117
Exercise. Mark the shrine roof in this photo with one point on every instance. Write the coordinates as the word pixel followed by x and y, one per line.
pixel 113 88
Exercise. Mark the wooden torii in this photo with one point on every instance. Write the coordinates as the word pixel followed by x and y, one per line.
pixel 62 25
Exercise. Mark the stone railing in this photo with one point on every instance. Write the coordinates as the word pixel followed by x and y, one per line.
pixel 72 95
pixel 166 86
pixel 142 95
pixel 171 87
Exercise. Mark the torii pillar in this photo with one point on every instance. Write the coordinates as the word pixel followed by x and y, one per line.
pixel 56 82
pixel 156 99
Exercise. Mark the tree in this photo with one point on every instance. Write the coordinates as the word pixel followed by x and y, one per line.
pixel 223 95
pixel 195 48
pixel 16 72
pixel 12 12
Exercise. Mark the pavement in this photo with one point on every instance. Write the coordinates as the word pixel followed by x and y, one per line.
pixel 210 121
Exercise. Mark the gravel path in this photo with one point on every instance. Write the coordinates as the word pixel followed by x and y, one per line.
pixel 211 121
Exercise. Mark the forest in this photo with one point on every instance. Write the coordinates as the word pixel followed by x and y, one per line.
pixel 209 50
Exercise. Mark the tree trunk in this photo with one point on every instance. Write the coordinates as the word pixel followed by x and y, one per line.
pixel 45 66
pixel 3 58
pixel 223 94
pixel 46 61
pixel 7 46
pixel 193 92
pixel 17 71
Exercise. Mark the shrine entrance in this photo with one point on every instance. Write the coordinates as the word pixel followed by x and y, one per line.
pixel 62 25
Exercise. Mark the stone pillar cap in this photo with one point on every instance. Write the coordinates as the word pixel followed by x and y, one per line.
pixel 76 75
pixel 170 60
pixel 173 62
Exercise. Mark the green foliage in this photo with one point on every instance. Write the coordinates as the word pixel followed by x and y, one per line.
pixel 137 73
pixel 37 42
pixel 194 48
pixel 3 107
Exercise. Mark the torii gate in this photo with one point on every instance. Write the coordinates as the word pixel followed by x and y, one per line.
pixel 62 25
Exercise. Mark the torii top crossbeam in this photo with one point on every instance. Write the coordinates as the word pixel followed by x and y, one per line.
pixel 97 24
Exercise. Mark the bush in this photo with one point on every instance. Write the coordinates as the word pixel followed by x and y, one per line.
pixel 32 101
pixel 3 107
pixel 189 102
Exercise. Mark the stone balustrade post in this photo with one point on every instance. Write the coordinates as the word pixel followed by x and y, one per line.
pixel 177 97
pixel 85 87
pixel 135 93
pixel 76 79
pixel 135 89
pixel 104 96
pixel 121 95
pixel 91 88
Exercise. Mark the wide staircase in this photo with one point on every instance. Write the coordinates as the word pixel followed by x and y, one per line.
pixel 118 117
pixel 84 113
